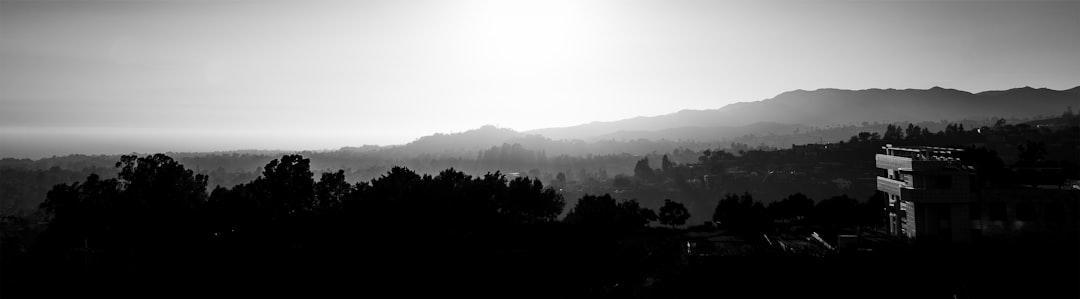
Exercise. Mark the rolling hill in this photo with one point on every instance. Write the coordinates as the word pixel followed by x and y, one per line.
pixel 825 107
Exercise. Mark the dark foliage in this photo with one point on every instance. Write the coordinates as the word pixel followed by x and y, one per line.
pixel 794 207
pixel 673 213
pixel 153 229
pixel 155 226
pixel 605 214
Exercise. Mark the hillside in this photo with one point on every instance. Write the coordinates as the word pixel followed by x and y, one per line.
pixel 827 107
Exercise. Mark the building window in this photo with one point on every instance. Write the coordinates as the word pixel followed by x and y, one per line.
pixel 944 235
pixel 997 211
pixel 945 212
pixel 944 216
pixel 1025 211
pixel 1055 212
pixel 943 182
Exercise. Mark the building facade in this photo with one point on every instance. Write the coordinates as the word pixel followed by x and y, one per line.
pixel 933 196
pixel 930 193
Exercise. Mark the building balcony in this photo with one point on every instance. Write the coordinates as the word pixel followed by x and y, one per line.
pixel 936 195
pixel 889 186
pixel 892 162
pixel 908 164
pixel 906 192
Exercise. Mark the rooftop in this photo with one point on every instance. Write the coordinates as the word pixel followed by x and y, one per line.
pixel 923 153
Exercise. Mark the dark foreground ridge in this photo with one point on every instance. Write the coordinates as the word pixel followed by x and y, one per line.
pixel 153 233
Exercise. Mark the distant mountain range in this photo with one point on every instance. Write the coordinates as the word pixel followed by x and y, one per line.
pixel 824 107
pixel 782 115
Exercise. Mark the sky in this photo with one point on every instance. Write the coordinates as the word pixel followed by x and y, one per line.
pixel 106 77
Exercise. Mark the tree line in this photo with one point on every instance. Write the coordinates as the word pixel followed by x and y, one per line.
pixel 156 223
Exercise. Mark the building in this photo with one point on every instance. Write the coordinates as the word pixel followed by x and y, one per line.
pixel 933 196
pixel 926 187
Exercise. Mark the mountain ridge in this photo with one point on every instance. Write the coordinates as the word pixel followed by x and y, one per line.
pixel 787 112
pixel 831 106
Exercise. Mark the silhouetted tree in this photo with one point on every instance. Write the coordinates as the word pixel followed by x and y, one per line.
pixel 1031 153
pixel 795 206
pixel 527 201
pixel 462 203
pixel 331 190
pixel 635 215
pixel 867 137
pixel 642 171
pixel 163 184
pixel 990 167
pixel 872 212
pixel 893 133
pixel 163 196
pixel 913 132
pixel 603 213
pixel 666 165
pixel 82 212
pixel 397 194
pixel 673 213
pixel 231 208
pixel 287 186
pixel 740 212
pixel 705 156
pixel 836 210
pixel 727 209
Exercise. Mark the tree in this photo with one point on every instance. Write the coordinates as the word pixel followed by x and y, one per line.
pixel 837 210
pixel 740 212
pixel 673 213
pixel 1031 153
pixel 866 136
pixel 153 205
pixel 912 132
pixel 622 181
pixel 666 165
pixel 527 201
pixel 872 212
pixel 603 213
pixel 642 171
pixel 161 197
pixel 331 190
pixel 81 212
pixel 162 183
pixel 987 162
pixel 287 186
pixel 794 206
pixel 234 207
pixel 726 209
pixel 893 133
pixel 635 215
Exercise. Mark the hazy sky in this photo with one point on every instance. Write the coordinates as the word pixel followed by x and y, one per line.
pixel 122 76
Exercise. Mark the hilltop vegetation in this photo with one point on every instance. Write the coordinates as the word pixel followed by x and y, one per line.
pixel 152 222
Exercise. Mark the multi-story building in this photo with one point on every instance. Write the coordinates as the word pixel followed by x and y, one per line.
pixel 927 188
pixel 932 196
